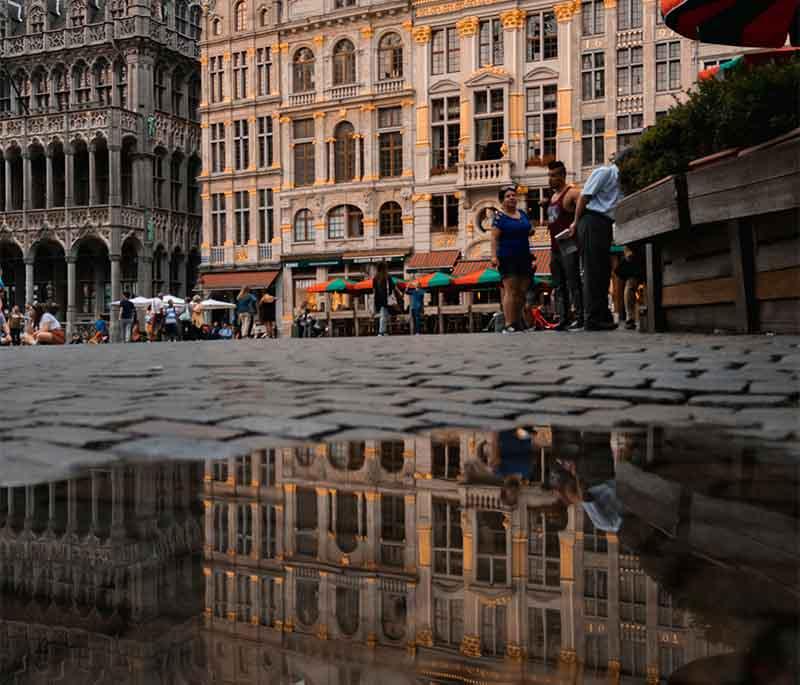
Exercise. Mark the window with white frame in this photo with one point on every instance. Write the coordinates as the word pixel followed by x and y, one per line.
pixel 221 528
pixel 239 75
pixel 241 216
pixel 593 145
pixel 303 71
pixel 630 71
pixel 493 630
pixel 492 548
pixel 264 142
pixel 633 596
pixel 595 592
pixel 629 14
pixel 267 473
pixel 448 621
pixel 536 213
pixel 448 541
pixel 444 213
pixel 490 43
pixel 390 142
pixel 541 36
pixel 216 77
pixel 668 66
pixel 544 551
pixel 217 137
pixel 629 129
pixel 445 51
pixel 544 634
pixel 593 75
pixel 593 17
pixel 244 469
pixel 445 134
pixel 489 124
pixel 303 140
pixel 218 219
pixel 303 227
pixel 269 527
pixel 244 607
pixel 263 71
pixel 541 123
pixel 390 220
pixel 345 221
pixel 390 57
pixel 244 529
pixel 266 218
pixel 446 458
pixel 241 144
pixel 240 16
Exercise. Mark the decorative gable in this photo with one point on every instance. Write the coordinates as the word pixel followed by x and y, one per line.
pixel 489 76
pixel 445 86
pixel 541 74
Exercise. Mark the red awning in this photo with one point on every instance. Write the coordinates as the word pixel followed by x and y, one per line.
pixel 234 280
pixel 441 259
pixel 469 266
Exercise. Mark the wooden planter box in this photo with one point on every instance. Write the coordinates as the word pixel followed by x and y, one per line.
pixel 731 258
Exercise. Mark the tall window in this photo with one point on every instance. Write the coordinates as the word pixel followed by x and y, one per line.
pixel 544 567
pixel 102 82
pixel 37 20
pixel 178 82
pixel 239 75
pixel 593 75
pixel 541 36
pixel 634 651
pixel 244 607
pixel 221 528
pixel 448 621
pixel 492 554
pixel 303 71
pixel 240 16
pixel 41 81
pixel 444 213
pixel 446 458
pixel 159 178
pixel 344 63
pixel 668 66
pixel 264 140
pixel 629 129
pixel 633 596
pixel 489 124
pixel 121 70
pixel 344 152
pixel 181 12
pixel 241 144
pixel 593 17
pixel 244 529
pixel 194 22
pixel 596 652
pixel 393 530
pixel 593 141
pixel 541 122
pixel 630 71
pixel 448 541
pixel 390 142
pixel 445 51
pixel 595 592
pixel 176 165
pixel 670 658
pixel 629 14
pixel 266 216
pixel 269 525
pixel 159 87
pixel 445 132
pixel 390 220
pixel 218 219
pixel 544 634
pixel 61 88
pixel 263 71
pixel 303 130
pixel 493 630
pixel 390 57
pixel 594 540
pixel 5 94
pixel 241 217
pixel 490 43
pixel 345 221
pixel 83 84
pixel 216 74
pixel 303 226
pixel 220 594
pixel 669 616
pixel 217 137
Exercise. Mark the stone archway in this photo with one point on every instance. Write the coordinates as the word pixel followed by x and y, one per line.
pixel 12 263
pixel 177 273
pixel 92 278
pixel 50 274
pixel 129 265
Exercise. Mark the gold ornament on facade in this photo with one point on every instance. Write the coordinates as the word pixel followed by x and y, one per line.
pixel 514 652
pixel 372 640
pixel 407 24
pixel 285 120
pixel 318 40
pixel 369 107
pixel 467 27
pixel 610 4
pixel 425 638
pixel 322 632
pixel 566 10
pixel 513 19
pixel 504 150
pixel 319 115
pixel 367 31
pixel 422 34
pixel 421 197
pixel 471 646
pixel 567 656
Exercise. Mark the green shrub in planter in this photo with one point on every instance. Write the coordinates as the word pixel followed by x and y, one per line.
pixel 751 106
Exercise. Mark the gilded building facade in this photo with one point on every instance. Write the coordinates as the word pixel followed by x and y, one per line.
pixel 101 147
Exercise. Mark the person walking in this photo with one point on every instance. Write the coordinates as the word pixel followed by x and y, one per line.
pixel 245 308
pixel 387 295
pixel 564 257
pixel 170 322
pixel 158 316
pixel 594 222
pixel 511 255
pixel 266 313
pixel 126 313
pixel 16 322
pixel 197 318
pixel 417 296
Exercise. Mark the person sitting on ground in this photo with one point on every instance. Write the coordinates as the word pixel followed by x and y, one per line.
pixel 214 332
pixel 76 339
pixel 47 329
pixel 226 332
pixel 101 330
pixel 150 324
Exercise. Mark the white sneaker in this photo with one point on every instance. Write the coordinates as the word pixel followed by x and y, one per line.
pixel 509 330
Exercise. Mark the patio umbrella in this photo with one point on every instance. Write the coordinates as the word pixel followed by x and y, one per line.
pixel 721 70
pixel 209 304
pixel 140 302
pixel 335 285
pixel 367 286
pixel 479 279
pixel 175 299
pixel 763 24
pixel 435 280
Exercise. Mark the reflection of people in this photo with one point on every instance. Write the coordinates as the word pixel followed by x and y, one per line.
pixel 505 459
pixel 599 501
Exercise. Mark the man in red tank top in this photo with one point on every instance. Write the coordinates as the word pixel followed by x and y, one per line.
pixel 564 259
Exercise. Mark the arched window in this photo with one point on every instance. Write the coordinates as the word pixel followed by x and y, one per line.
pixel 102 82
pixel 345 221
pixel 158 87
pixel 41 89
pixel 121 76
pixel 119 9
pixel 37 20
pixel 307 601
pixel 392 455
pixel 240 17
pixel 391 219
pixel 303 71
pixel 303 226
pixel 263 17
pixel 81 83
pixel 347 610
pixel 344 152
pixel 344 63
pixel 347 456
pixel 216 27
pixel 61 88
pixel 178 82
pixel 23 84
pixel 390 57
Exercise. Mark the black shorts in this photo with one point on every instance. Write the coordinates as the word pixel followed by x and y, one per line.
pixel 516 265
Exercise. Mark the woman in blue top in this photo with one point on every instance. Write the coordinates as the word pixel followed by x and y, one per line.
pixel 511 255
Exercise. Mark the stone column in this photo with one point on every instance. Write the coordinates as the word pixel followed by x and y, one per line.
pixel 422 159
pixel 51 506
pixel 330 142
pixel 360 154
pixel 71 285
pixel 95 478
pixel 69 174
pixel 116 293
pixel 611 78
pixel 49 188
pixel 27 180
pixel 114 176
pixel 373 529
pixel 319 148
pixel 468 31
pixel 72 506
pixel 514 29
pixel 290 494
pixel 410 561
pixel 325 601
pixel 92 175
pixel 567 47
pixel 29 279
pixel 369 144
pixel 9 202
pixel 30 507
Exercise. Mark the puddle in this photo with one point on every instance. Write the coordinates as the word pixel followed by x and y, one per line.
pixel 541 555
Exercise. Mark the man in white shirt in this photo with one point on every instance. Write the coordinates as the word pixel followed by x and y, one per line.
pixel 594 221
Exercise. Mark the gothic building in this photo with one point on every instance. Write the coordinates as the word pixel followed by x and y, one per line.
pixel 101 147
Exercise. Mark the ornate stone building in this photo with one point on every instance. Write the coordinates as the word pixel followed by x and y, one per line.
pixel 98 112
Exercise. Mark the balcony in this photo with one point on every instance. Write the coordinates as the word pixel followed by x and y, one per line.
pixel 217 255
pixel 300 99
pixel 389 86
pixel 493 172
pixel 341 92
pixel 265 252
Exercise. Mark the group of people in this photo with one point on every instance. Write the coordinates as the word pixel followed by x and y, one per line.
pixel 580 223
pixel 251 309
pixel 36 325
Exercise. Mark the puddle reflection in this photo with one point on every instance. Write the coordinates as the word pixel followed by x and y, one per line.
pixel 539 555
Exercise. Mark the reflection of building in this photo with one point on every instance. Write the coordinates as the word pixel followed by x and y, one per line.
pixel 97 188
pixel 97 576
pixel 376 556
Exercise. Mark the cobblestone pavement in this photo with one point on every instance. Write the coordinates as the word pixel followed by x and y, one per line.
pixel 84 404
